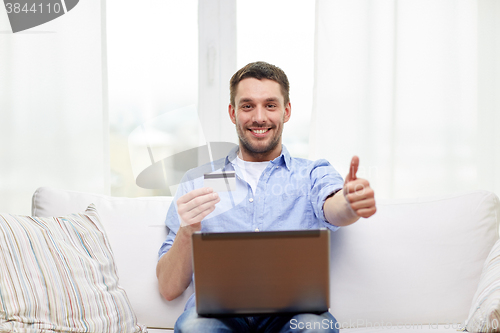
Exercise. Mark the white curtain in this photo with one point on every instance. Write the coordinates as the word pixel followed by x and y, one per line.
pixel 53 117
pixel 411 87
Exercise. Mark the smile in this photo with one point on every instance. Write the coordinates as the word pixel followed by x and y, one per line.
pixel 260 131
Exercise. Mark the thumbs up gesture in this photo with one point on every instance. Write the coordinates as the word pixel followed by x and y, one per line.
pixel 358 193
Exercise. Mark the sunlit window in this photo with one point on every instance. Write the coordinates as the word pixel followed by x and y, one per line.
pixel 153 80
pixel 153 87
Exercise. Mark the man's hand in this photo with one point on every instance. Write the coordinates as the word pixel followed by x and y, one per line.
pixel 358 200
pixel 358 193
pixel 174 269
pixel 195 206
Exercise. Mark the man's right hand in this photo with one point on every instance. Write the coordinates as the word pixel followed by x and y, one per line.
pixel 174 269
pixel 195 206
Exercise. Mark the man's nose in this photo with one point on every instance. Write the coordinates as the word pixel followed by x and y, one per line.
pixel 260 115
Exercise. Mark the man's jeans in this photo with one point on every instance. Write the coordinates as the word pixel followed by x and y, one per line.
pixel 190 322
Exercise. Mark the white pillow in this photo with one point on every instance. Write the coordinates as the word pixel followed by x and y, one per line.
pixel 58 274
pixel 484 315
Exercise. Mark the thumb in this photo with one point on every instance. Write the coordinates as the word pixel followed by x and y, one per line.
pixel 353 169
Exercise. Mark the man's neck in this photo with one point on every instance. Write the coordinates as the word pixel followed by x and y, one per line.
pixel 246 156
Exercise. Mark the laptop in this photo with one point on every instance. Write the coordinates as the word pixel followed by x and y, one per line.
pixel 252 273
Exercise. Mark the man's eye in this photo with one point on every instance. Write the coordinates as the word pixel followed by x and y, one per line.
pixel 271 105
pixel 246 106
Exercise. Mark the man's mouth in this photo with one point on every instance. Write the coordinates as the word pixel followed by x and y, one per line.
pixel 260 130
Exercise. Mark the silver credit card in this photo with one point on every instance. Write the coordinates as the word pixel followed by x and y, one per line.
pixel 223 181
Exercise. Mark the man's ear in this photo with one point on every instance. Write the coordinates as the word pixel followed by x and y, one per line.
pixel 288 112
pixel 232 113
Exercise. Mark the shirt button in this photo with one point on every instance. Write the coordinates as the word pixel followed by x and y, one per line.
pixel 251 199
pixel 257 229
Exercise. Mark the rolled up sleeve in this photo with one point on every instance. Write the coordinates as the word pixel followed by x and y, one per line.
pixel 325 180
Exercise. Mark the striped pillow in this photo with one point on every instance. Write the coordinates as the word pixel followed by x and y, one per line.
pixel 484 315
pixel 58 275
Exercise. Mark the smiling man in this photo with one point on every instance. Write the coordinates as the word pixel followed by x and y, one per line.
pixel 259 110
pixel 291 193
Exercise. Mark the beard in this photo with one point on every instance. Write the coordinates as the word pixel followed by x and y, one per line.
pixel 257 149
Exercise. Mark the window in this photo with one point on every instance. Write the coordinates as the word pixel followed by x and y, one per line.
pixel 153 86
pixel 281 32
pixel 153 80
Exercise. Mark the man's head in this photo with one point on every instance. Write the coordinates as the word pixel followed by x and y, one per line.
pixel 259 108
pixel 260 70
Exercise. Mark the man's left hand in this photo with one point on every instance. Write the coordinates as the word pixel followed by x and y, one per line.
pixel 358 193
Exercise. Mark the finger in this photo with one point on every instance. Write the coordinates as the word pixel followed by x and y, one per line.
pixel 198 218
pixel 365 193
pixel 193 194
pixel 366 212
pixel 199 210
pixel 353 169
pixel 368 203
pixel 358 185
pixel 195 198
pixel 193 204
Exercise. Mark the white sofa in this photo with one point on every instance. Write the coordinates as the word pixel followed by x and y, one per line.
pixel 414 265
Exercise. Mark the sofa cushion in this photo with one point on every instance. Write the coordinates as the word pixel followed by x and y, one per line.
pixel 415 261
pixel 136 229
pixel 58 274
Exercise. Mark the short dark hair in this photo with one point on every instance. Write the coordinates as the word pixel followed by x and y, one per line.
pixel 260 70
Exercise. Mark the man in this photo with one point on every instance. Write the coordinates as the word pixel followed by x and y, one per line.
pixel 274 192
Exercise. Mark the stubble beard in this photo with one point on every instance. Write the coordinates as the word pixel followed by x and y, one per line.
pixel 257 151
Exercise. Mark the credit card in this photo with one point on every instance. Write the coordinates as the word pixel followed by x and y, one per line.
pixel 220 181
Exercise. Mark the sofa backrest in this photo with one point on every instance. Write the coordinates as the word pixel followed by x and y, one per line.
pixel 136 230
pixel 415 261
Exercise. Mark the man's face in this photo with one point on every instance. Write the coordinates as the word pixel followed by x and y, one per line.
pixel 259 114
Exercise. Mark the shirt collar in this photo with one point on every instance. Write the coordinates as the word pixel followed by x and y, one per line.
pixel 283 159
